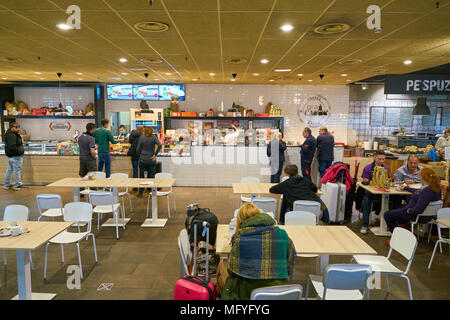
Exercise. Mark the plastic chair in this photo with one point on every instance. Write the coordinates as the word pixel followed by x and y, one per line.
pixel 16 212
pixel 430 211
pixel 185 252
pixel 442 214
pixel 309 206
pixel 164 175
pixel 283 292
pixel 341 282
pixel 103 202
pixel 301 218
pixel 122 194
pixel 267 205
pixel 243 198
pixel 51 203
pixel 402 241
pixel 74 212
pixel 97 174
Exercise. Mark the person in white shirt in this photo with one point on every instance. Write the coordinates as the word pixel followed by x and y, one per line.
pixel 441 143
pixel 231 138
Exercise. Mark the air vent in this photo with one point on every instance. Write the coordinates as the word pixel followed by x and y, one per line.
pixel 150 60
pixel 236 60
pixel 11 60
pixel 349 62
pixel 331 28
pixel 151 26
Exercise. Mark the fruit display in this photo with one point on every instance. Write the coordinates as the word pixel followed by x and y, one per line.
pixel 67 148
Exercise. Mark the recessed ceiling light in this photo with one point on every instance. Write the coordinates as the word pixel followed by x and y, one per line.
pixel 78 73
pixel 80 78
pixel 64 26
pixel 286 27
pixel 115 78
pixel 38 73
pixel 310 80
pixel 283 70
pixel 300 74
pixel 271 80
pixel 256 74
pixel 407 62
pixel 212 74
pixel 264 61
pixel 156 79
pixel 344 74
pixel 123 60
pixel 348 80
pixel 138 69
pixel 168 74
pixel 124 73
pixel 4 78
pixel 42 78
pixel 233 79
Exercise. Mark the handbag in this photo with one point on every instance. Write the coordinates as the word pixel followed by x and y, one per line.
pixel 380 178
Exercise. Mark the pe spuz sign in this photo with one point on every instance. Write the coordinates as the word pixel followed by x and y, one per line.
pixel 417 84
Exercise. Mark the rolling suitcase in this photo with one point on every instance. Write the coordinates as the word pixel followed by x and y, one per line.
pixel 333 195
pixel 191 287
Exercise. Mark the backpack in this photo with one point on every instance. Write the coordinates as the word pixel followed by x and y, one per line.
pixel 196 215
pixel 213 260
pixel 380 178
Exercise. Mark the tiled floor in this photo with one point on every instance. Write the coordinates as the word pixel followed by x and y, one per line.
pixel 144 262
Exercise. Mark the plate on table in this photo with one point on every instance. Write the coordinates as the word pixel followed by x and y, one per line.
pixel 4 233
pixel 415 185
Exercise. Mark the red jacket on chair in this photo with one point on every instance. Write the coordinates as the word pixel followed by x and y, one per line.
pixel 332 174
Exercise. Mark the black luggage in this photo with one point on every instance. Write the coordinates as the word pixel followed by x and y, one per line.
pixel 196 215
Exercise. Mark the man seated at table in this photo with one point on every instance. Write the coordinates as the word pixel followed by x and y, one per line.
pixel 261 254
pixel 418 203
pixel 297 188
pixel 378 160
pixel 409 174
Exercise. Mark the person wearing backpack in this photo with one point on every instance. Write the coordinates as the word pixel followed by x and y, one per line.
pixel 373 174
pixel 249 268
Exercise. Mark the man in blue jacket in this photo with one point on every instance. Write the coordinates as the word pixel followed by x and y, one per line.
pixel 307 150
pixel 325 148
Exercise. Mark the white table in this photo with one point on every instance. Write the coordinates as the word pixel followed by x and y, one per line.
pixel 40 233
pixel 115 183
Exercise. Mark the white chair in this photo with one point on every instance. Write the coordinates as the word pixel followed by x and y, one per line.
pixel 164 175
pixel 97 174
pixel 244 198
pixel 282 292
pixel 267 205
pixel 442 214
pixel 185 252
pixel 122 194
pixel 51 204
pixel 430 211
pixel 103 202
pixel 402 241
pixel 16 212
pixel 301 218
pixel 74 212
pixel 309 206
pixel 341 282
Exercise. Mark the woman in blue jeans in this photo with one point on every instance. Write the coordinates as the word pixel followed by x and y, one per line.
pixel 147 155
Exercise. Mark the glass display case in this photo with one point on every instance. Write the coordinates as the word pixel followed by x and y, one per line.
pixel 36 148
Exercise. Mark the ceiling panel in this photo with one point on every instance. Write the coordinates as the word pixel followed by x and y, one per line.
pixel 242 25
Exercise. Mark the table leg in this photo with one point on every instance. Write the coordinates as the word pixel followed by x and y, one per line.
pixel 76 194
pixel 322 262
pixel 110 222
pixel 24 279
pixel 382 230
pixel 154 221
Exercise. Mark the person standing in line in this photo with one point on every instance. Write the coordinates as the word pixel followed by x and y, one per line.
pixel 325 148
pixel 307 150
pixel 88 151
pixel 133 140
pixel 103 137
pixel 275 151
pixel 147 155
pixel 14 151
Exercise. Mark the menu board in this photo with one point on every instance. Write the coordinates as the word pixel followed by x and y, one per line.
pixel 445 117
pixel 119 91
pixel 431 119
pixel 145 92
pixel 167 91
pixel 376 116
pixel 406 117
pixel 392 117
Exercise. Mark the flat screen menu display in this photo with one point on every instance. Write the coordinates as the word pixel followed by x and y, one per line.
pixel 145 92
pixel 119 91
pixel 167 91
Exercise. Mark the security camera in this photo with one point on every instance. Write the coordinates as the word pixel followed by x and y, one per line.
pixel 146 75
pixel 321 76
pixel 234 75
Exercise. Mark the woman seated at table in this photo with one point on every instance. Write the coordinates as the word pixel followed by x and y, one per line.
pixel 297 188
pixel 431 191
pixel 261 254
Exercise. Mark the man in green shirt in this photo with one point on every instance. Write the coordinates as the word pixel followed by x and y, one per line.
pixel 102 138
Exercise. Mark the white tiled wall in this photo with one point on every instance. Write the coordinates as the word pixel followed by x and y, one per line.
pixel 201 97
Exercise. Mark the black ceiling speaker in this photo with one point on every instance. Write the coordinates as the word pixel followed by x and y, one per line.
pixel 421 108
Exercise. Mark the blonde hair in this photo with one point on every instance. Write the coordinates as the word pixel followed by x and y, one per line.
pixel 247 210
pixel 275 135
pixel 430 178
